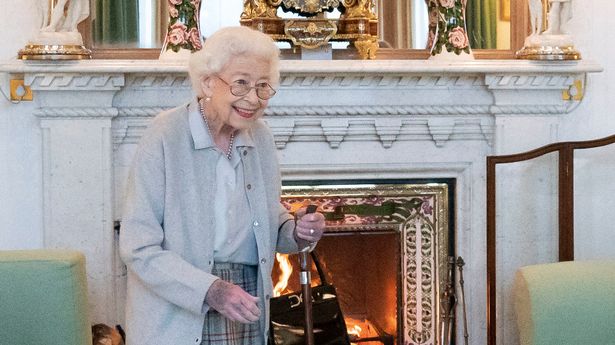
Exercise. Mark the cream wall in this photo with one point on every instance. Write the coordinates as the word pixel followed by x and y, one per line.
pixel 20 154
pixel 594 118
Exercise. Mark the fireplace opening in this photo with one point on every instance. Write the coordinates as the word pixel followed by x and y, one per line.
pixel 386 250
pixel 363 269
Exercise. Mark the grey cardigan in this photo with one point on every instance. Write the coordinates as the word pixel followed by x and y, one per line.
pixel 166 239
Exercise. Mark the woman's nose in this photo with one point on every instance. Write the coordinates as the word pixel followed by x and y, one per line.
pixel 252 95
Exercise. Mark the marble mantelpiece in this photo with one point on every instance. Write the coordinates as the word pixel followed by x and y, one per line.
pixel 331 120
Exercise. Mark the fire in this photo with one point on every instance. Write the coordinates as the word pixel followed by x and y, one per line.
pixel 286 269
pixel 361 329
pixel 354 330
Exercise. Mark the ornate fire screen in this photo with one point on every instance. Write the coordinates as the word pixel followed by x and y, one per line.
pixel 358 22
pixel 419 215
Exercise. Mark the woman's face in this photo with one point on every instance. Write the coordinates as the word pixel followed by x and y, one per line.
pixel 239 112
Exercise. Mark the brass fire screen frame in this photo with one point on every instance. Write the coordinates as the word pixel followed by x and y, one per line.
pixel 419 213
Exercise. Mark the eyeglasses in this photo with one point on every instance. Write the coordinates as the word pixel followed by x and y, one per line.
pixel 242 87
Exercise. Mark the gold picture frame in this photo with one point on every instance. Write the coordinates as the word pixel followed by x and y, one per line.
pixel 505 10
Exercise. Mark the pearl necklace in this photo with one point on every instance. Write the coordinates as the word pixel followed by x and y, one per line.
pixel 229 151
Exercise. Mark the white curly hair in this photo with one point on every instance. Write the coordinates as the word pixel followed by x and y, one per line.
pixel 227 43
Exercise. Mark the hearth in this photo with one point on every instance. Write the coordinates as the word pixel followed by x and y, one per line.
pixel 386 251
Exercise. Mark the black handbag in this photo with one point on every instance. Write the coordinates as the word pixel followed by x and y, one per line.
pixel 287 316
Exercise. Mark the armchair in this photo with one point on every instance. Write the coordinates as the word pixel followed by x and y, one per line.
pixel 566 303
pixel 43 298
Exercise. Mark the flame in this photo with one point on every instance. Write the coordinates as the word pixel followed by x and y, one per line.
pixel 354 330
pixel 287 269
pixel 360 329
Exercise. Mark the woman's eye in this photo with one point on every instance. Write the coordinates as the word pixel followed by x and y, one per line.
pixel 241 82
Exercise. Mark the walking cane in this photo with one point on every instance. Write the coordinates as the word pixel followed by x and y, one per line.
pixel 305 279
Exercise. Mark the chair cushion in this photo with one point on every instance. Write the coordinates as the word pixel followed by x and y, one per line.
pixel 43 298
pixel 566 303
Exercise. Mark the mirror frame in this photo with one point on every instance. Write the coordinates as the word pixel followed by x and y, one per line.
pixel 519 29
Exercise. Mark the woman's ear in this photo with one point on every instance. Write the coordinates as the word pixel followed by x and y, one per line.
pixel 207 86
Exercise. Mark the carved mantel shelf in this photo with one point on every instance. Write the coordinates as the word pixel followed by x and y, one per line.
pixel 482 66
pixel 328 101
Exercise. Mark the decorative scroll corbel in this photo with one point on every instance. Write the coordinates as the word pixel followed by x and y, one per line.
pixel 487 129
pixel 441 130
pixel 283 130
pixel 335 130
pixel 388 130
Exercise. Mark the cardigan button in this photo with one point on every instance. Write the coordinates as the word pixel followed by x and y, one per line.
pixel 255 223
pixel 245 152
pixel 263 261
pixel 249 186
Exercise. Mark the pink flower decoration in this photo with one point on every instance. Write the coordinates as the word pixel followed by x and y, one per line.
pixel 175 2
pixel 179 25
pixel 458 38
pixel 193 36
pixel 177 34
pixel 173 12
pixel 447 3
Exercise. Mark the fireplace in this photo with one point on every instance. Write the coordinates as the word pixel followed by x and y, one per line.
pixel 385 250
pixel 380 120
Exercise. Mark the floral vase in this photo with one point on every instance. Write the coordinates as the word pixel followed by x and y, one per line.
pixel 448 37
pixel 183 34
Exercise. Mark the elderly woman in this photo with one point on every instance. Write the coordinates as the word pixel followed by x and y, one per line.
pixel 202 218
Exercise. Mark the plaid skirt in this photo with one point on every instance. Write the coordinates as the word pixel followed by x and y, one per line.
pixel 217 329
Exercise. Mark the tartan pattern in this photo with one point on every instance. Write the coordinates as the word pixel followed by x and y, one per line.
pixel 218 330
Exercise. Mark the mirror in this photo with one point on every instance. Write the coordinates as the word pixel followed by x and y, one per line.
pixel 138 27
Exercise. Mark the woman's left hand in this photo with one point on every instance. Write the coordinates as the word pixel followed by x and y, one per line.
pixel 309 227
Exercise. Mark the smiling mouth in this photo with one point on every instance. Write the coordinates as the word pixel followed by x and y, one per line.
pixel 245 113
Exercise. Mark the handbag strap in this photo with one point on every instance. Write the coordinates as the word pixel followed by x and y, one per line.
pixel 321 272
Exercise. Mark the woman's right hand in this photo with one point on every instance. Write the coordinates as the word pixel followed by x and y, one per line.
pixel 233 302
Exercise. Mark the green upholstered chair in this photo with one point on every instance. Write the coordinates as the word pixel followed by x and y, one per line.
pixel 566 303
pixel 43 298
